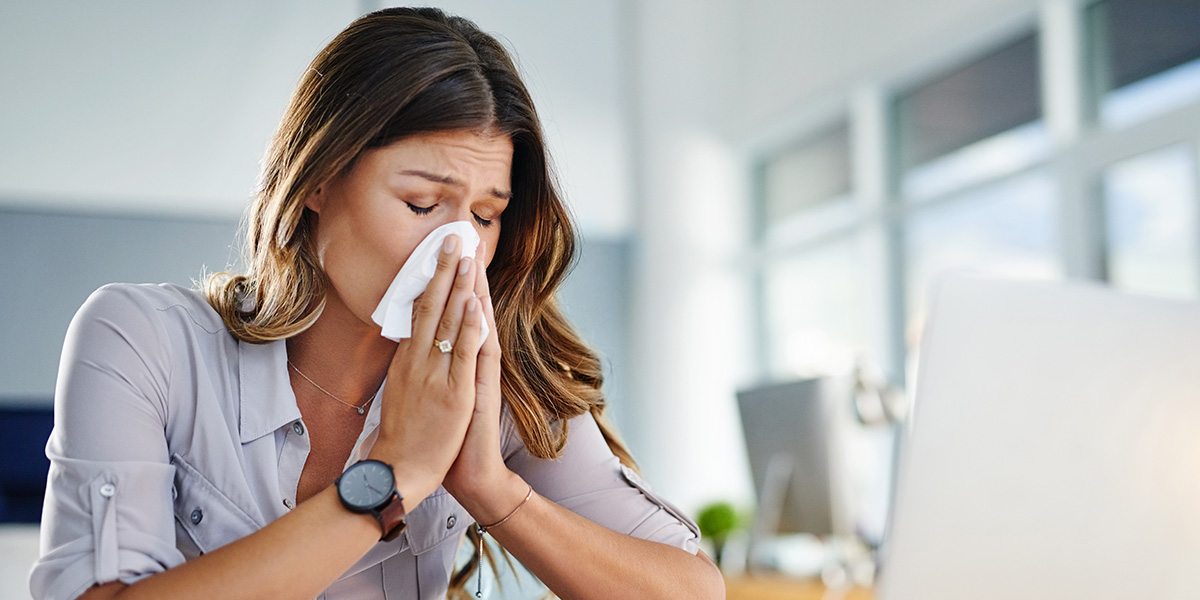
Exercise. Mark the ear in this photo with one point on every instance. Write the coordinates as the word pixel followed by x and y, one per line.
pixel 316 200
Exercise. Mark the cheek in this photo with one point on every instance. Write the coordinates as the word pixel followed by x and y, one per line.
pixel 361 256
pixel 392 247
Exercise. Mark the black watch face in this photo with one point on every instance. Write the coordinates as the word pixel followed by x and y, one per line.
pixel 366 485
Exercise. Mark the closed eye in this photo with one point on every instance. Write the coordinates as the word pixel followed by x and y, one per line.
pixel 420 210
pixel 482 221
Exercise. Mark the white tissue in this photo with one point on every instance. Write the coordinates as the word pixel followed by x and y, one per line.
pixel 394 313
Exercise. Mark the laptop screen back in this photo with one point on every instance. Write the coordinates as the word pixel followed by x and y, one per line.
pixel 1054 448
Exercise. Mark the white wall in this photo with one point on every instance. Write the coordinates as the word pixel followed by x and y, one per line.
pixel 148 107
pixel 159 107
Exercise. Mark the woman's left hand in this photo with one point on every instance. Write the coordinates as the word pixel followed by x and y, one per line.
pixel 479 479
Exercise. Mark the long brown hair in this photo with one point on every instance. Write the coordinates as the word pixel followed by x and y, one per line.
pixel 391 74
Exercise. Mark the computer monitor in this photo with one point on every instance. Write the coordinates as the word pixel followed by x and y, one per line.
pixel 792 433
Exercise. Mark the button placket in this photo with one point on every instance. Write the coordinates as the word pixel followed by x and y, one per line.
pixel 291 461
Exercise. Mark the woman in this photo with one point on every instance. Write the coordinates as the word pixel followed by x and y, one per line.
pixel 265 441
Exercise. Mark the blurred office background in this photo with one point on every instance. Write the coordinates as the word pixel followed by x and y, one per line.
pixel 765 188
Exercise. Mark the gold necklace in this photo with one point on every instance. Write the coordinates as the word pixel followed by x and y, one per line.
pixel 362 410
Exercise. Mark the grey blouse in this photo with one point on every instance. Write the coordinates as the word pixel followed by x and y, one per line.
pixel 173 438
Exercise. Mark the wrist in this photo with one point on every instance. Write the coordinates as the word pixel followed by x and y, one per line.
pixel 369 487
pixel 492 501
pixel 413 483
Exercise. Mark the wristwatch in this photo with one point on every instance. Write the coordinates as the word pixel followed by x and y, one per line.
pixel 369 486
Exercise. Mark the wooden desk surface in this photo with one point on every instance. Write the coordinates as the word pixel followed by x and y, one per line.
pixel 775 587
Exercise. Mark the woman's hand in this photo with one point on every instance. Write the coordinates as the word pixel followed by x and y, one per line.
pixel 430 395
pixel 479 478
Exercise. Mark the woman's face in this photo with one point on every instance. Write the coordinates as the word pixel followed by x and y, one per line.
pixel 371 217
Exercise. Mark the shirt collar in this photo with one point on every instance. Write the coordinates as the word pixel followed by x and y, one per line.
pixel 265 391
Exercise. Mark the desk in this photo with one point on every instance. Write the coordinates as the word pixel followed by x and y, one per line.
pixel 775 587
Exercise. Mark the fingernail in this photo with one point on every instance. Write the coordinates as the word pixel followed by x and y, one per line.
pixel 464 265
pixel 448 245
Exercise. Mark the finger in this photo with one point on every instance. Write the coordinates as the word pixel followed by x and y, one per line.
pixel 481 283
pixel 487 373
pixel 452 316
pixel 462 367
pixel 484 293
pixel 429 306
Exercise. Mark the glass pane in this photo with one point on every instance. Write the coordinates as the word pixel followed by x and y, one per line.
pixel 1146 57
pixel 1010 229
pixel 814 305
pixel 813 173
pixel 995 157
pixel 995 93
pixel 1150 206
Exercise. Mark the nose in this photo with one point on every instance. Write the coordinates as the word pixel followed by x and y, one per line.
pixel 465 214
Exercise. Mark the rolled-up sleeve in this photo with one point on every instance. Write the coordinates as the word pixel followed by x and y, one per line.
pixel 591 482
pixel 108 510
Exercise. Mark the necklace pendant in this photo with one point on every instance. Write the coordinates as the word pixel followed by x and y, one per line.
pixel 361 409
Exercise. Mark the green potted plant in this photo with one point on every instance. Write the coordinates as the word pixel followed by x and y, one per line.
pixel 716 521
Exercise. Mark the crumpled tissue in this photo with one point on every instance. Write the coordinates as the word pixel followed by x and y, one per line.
pixel 394 313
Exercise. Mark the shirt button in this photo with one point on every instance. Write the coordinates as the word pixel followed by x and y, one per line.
pixel 197 516
pixel 451 521
pixel 288 503
pixel 108 490
pixel 298 428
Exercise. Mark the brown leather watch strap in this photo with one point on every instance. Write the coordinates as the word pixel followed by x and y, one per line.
pixel 391 519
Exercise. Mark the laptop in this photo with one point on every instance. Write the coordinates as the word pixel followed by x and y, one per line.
pixel 1053 450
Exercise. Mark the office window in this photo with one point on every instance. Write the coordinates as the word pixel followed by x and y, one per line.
pixel 814 307
pixel 1145 57
pixel 808 181
pixel 973 181
pixel 979 121
pixel 810 296
pixel 1009 228
pixel 1152 222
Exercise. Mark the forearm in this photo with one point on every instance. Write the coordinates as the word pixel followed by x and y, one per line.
pixel 578 559
pixel 296 556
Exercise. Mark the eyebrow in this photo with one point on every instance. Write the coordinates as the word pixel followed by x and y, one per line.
pixel 498 193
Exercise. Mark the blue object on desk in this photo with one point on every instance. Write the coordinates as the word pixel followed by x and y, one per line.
pixel 24 429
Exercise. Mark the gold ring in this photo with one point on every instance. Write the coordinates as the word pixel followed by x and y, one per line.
pixel 443 345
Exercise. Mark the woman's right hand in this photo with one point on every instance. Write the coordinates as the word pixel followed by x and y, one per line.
pixel 430 395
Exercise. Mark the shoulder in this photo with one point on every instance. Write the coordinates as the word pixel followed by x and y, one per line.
pixel 152 325
pixel 172 305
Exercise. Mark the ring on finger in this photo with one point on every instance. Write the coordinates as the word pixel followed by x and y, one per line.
pixel 444 345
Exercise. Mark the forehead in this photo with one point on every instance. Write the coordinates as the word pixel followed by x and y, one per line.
pixel 452 153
